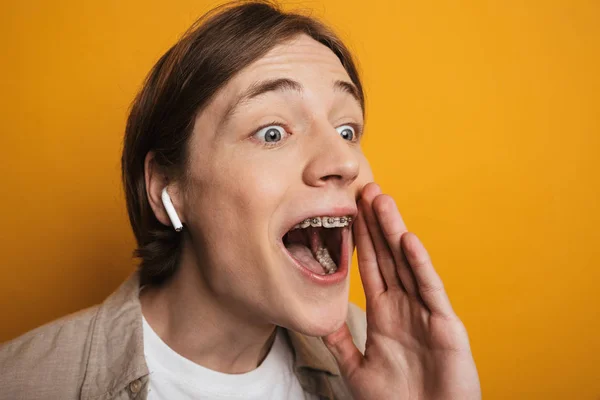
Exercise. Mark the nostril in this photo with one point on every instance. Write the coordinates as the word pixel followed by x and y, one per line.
pixel 331 167
pixel 331 177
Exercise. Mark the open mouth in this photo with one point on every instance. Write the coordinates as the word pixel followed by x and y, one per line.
pixel 317 243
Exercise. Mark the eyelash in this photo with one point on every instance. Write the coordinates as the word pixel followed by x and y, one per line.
pixel 266 144
pixel 358 129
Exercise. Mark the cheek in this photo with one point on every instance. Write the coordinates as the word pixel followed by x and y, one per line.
pixel 365 172
pixel 233 203
pixel 259 191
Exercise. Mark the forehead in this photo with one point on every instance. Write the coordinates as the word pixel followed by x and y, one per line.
pixel 299 54
pixel 301 58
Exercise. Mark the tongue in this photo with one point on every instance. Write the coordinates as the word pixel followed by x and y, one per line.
pixel 303 254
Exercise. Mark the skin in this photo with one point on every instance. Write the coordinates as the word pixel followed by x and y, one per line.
pixel 234 284
pixel 417 347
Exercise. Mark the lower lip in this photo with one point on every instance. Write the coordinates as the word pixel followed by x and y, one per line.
pixel 330 279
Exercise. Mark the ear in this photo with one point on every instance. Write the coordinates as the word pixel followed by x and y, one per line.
pixel 156 180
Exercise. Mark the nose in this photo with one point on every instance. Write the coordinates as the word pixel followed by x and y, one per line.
pixel 333 160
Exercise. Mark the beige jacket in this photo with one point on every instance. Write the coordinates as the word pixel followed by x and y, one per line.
pixel 98 353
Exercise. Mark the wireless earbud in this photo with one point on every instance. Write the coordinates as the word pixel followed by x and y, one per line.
pixel 166 199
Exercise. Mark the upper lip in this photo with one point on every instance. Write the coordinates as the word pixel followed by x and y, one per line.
pixel 337 211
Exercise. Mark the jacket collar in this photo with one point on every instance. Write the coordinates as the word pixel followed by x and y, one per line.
pixel 116 356
pixel 313 363
pixel 116 353
pixel 311 353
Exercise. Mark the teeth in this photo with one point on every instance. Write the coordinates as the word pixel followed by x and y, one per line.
pixel 325 222
pixel 329 222
pixel 325 260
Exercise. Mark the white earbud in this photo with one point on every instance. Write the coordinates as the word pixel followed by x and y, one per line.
pixel 166 199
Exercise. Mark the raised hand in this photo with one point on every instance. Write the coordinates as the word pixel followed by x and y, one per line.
pixel 417 348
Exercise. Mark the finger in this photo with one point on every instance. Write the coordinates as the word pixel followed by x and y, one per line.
pixel 385 259
pixel 347 355
pixel 393 227
pixel 367 261
pixel 431 288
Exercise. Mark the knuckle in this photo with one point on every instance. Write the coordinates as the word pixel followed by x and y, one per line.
pixel 421 261
pixel 393 229
pixel 384 203
pixel 361 233
pixel 385 258
pixel 366 261
pixel 431 288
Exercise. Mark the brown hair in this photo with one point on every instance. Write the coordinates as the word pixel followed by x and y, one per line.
pixel 183 81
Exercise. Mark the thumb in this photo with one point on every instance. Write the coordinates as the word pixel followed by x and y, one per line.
pixel 347 355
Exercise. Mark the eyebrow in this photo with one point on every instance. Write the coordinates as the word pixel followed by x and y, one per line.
pixel 350 88
pixel 286 85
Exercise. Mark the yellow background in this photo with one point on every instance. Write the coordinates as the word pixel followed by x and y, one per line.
pixel 483 123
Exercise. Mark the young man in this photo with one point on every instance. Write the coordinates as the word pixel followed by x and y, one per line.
pixel 247 189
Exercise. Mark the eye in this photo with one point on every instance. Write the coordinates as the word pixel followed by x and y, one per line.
pixel 271 134
pixel 347 132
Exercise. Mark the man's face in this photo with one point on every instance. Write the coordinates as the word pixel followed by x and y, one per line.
pixel 278 144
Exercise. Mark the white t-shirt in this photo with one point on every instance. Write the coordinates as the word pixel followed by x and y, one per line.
pixel 174 377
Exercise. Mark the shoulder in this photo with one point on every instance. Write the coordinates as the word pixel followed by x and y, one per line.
pixel 51 356
pixel 357 323
pixel 93 353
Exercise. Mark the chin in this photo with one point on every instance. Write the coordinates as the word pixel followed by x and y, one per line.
pixel 320 319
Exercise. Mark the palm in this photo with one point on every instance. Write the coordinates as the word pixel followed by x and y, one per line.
pixel 416 348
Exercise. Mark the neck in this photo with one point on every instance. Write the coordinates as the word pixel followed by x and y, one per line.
pixel 191 319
